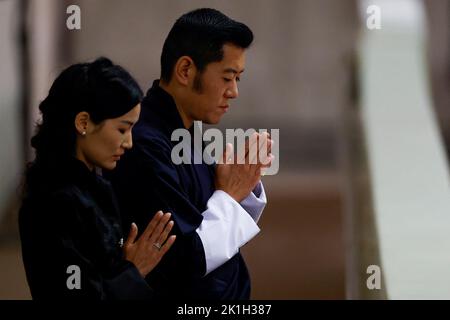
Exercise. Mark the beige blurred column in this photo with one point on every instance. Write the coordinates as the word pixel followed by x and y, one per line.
pixel 438 12
pixel 10 111
pixel 46 23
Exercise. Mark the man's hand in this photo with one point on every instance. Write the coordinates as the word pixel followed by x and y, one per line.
pixel 239 175
pixel 259 148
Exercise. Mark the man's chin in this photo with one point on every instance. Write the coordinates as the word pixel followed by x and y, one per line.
pixel 213 120
pixel 210 119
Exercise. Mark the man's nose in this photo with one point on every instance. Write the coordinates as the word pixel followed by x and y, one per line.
pixel 232 92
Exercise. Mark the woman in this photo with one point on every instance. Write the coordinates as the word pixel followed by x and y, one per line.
pixel 69 223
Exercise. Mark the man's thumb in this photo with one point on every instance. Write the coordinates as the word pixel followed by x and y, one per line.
pixel 228 153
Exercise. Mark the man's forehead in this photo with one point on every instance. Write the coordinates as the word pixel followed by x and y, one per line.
pixel 233 59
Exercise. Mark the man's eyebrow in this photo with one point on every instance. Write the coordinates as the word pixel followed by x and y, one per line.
pixel 227 70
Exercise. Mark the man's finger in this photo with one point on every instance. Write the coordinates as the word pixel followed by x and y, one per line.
pixel 269 145
pixel 242 155
pixel 225 154
pixel 258 171
pixel 269 161
pixel 251 155
pixel 228 154
pixel 264 149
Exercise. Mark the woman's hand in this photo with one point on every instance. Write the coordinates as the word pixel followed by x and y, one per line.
pixel 146 252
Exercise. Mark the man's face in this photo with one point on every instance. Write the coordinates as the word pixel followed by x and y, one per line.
pixel 211 91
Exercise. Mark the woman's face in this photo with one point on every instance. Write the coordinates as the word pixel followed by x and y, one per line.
pixel 102 144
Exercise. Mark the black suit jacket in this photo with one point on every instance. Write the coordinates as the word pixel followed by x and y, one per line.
pixel 146 180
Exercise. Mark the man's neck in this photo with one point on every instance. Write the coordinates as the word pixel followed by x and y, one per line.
pixel 174 92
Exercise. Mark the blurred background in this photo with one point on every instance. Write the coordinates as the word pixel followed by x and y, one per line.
pixel 334 87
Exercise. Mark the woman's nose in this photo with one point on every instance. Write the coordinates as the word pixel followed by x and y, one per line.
pixel 128 143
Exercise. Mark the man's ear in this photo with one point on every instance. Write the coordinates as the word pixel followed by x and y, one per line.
pixel 184 71
pixel 81 122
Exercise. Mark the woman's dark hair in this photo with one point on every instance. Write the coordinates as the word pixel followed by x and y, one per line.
pixel 201 34
pixel 101 88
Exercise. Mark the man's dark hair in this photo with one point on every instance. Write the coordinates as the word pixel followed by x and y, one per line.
pixel 201 34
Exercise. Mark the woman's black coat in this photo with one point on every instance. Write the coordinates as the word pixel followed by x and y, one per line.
pixel 71 238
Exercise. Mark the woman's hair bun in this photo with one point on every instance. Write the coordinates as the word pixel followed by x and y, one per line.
pixel 100 63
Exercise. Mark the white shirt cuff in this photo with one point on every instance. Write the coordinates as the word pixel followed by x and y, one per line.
pixel 226 227
pixel 255 202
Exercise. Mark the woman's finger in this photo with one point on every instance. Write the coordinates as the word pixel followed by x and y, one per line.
pixel 152 225
pixel 132 236
pixel 167 245
pixel 160 227
pixel 162 238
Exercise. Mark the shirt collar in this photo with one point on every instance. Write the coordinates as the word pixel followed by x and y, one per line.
pixel 162 103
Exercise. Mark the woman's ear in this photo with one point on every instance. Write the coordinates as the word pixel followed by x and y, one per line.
pixel 81 122
pixel 184 70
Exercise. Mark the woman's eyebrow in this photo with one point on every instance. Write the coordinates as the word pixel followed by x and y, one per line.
pixel 127 122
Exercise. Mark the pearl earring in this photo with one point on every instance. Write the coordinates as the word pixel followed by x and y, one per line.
pixel 83 133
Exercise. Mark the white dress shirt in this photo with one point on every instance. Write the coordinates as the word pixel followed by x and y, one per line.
pixel 227 225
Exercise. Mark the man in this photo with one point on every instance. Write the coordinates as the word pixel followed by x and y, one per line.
pixel 215 207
